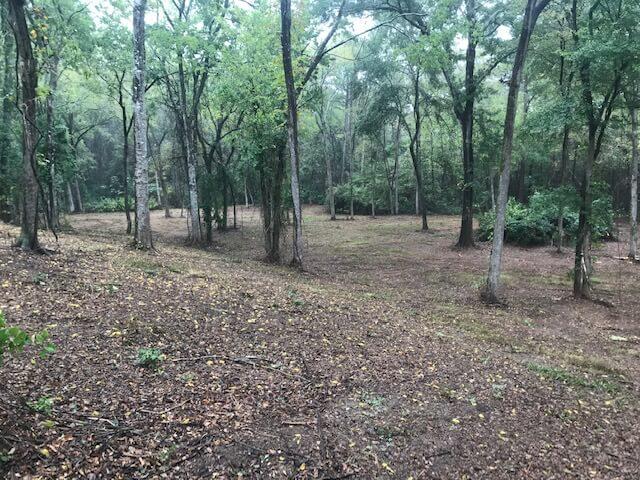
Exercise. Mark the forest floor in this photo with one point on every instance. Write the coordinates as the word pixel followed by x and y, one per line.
pixel 379 361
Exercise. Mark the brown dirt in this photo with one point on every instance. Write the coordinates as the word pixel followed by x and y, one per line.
pixel 378 362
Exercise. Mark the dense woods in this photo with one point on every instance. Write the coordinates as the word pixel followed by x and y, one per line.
pixel 517 121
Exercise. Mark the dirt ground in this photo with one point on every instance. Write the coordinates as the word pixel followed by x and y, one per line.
pixel 379 361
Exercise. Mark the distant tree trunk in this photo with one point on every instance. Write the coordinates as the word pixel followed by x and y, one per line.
pixel 188 131
pixel 414 150
pixel 72 205
pixel 126 127
pixel 143 237
pixel 564 159
pixel 396 166
pixel 633 237
pixel 465 118
pixel 346 143
pixel 330 192
pixel 7 109
pixel 50 147
pixel 292 130
pixel 76 187
pixel 532 11
pixel 28 74
pixel 522 168
pixel 272 171
pixel 372 186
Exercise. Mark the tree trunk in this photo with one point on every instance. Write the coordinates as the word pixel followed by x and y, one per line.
pixel 143 237
pixel 633 237
pixel 7 110
pixel 292 130
pixel 50 147
pixel 582 264
pixel 414 150
pixel 564 159
pixel 28 74
pixel 72 205
pixel 396 166
pixel 532 11
pixel 271 179
pixel 76 187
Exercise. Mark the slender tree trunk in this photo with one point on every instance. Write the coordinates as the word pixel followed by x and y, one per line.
pixel 72 206
pixel 125 150
pixel 582 266
pixel 143 238
pixel 28 74
pixel 50 147
pixel 76 187
pixel 414 150
pixel 7 109
pixel 532 11
pixel 396 166
pixel 633 237
pixel 188 129
pixel 564 159
pixel 292 130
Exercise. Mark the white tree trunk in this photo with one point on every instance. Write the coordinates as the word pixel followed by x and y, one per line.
pixel 143 221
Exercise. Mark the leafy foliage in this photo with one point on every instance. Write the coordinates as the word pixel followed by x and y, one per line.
pixel 536 223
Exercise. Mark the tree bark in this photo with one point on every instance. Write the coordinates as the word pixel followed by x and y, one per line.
pixel 28 74
pixel 143 238
pixel 532 10
pixel 414 150
pixel 292 130
pixel 7 109
pixel 633 236
pixel 50 148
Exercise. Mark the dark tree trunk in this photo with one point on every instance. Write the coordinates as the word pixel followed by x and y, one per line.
pixel 28 74
pixel 292 130
pixel 7 107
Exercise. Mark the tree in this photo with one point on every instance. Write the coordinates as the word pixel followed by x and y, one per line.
pixel 28 74
pixel 600 74
pixel 532 11
pixel 143 222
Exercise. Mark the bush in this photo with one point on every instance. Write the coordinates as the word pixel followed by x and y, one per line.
pixel 110 205
pixel 536 223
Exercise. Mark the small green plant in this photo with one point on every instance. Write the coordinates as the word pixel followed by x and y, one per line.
pixel 39 278
pixel 42 405
pixel 150 357
pixel 14 339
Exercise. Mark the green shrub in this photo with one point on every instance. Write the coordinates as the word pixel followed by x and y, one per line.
pixel 149 357
pixel 536 223
pixel 111 204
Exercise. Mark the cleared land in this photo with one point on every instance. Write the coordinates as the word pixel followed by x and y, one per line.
pixel 378 362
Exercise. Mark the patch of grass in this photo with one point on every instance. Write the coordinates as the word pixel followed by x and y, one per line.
pixel 560 375
pixel 151 267
pixel 593 363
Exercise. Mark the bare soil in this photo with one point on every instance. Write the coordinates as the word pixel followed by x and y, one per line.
pixel 378 361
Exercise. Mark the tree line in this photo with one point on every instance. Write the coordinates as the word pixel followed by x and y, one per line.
pixel 523 114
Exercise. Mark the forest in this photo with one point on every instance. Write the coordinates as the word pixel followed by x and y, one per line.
pixel 326 239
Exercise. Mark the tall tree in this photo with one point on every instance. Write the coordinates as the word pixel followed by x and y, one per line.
pixel 532 11
pixel 143 222
pixel 28 74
